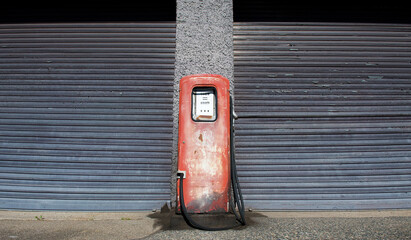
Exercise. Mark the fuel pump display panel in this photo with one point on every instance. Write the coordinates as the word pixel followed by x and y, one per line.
pixel 204 104
pixel 204 143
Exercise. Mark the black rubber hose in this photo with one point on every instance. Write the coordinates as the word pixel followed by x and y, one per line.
pixel 237 195
pixel 187 217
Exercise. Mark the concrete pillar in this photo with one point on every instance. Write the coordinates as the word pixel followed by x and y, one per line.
pixel 204 44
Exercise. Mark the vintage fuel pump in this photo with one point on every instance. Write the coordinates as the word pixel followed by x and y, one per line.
pixel 207 178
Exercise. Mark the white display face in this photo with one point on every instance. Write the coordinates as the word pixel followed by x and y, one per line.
pixel 204 104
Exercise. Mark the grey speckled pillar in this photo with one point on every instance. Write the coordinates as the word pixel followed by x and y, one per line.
pixel 204 44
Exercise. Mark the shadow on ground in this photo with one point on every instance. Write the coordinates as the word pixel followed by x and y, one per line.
pixel 167 219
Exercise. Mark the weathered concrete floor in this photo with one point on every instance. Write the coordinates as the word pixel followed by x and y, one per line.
pixel 261 225
pixel 304 228
pixel 76 226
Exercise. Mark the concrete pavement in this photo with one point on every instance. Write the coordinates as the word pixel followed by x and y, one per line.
pixel 77 225
pixel 156 225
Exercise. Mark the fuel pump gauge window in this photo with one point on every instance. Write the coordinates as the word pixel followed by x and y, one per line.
pixel 204 107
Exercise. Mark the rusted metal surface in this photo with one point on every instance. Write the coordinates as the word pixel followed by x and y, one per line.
pixel 325 115
pixel 203 148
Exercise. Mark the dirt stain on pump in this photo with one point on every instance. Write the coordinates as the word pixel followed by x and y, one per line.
pixel 200 137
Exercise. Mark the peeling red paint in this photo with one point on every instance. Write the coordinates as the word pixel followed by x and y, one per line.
pixel 205 154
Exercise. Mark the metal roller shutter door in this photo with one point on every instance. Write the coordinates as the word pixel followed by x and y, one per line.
pixel 86 116
pixel 325 115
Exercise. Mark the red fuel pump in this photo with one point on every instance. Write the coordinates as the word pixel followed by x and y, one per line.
pixel 207 178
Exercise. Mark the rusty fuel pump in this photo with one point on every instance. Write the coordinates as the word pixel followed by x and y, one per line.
pixel 207 177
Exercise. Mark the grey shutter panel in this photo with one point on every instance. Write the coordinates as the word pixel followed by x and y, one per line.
pixel 86 115
pixel 325 115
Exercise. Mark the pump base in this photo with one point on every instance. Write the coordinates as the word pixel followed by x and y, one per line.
pixel 207 219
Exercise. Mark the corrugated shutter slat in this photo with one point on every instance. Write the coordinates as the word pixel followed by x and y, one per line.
pixel 86 115
pixel 325 115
